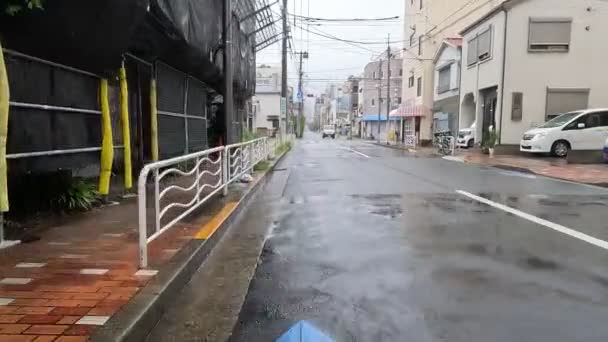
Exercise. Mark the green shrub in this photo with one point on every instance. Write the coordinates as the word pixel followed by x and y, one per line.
pixel 249 135
pixel 261 166
pixel 282 148
pixel 79 195
pixel 492 138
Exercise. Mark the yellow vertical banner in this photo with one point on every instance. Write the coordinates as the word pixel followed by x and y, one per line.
pixel 126 128
pixel 153 120
pixel 107 144
pixel 4 103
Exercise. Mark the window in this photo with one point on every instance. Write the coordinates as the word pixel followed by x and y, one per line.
pixel 445 76
pixel 411 82
pixel 517 106
pixel 419 45
pixel 604 119
pixel 480 48
pixel 399 100
pixel 373 102
pixel 561 101
pixel 590 120
pixel 472 52
pixel 374 75
pixel 400 72
pixel 593 120
pixel 484 45
pixel 549 34
pixel 381 74
pixel 419 87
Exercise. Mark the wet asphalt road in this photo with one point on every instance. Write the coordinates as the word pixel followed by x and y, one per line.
pixel 372 244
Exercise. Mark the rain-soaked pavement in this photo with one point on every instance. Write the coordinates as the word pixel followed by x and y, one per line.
pixel 371 244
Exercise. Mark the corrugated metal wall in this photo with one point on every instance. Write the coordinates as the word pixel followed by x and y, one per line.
pixel 182 109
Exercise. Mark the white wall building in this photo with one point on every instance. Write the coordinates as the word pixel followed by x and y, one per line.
pixel 427 24
pixel 529 60
pixel 446 106
pixel 267 99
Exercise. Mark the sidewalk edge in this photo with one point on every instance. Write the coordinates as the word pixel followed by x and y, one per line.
pixel 505 167
pixel 137 318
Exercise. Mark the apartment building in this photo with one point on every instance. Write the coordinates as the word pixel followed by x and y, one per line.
pixel 374 89
pixel 267 99
pixel 529 60
pixel 427 24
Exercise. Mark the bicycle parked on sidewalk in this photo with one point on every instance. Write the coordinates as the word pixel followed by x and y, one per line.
pixel 445 143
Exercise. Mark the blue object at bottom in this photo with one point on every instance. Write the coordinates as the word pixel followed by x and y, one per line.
pixel 304 332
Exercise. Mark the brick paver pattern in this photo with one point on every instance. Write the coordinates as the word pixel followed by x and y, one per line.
pixel 53 299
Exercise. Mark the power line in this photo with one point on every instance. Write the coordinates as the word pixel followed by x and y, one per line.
pixel 342 19
pixel 350 42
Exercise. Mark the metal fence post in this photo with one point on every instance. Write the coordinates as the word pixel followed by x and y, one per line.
pixel 156 201
pixel 198 179
pixel 225 170
pixel 141 203
pixel 242 150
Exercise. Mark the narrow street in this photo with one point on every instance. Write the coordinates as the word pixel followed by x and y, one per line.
pixel 370 244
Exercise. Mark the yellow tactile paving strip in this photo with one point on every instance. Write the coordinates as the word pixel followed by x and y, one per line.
pixel 210 227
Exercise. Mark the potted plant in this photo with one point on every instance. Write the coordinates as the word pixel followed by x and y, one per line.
pixel 491 141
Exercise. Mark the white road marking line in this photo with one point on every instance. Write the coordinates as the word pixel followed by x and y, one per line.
pixel 551 225
pixel 357 152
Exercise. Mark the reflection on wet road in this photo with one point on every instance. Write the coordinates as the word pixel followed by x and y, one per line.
pixel 370 244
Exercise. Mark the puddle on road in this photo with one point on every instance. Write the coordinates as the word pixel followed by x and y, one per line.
pixel 384 205
pixel 538 263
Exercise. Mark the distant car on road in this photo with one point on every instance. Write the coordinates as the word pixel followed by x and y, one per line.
pixel 580 130
pixel 329 131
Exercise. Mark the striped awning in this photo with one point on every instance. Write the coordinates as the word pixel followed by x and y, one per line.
pixel 410 111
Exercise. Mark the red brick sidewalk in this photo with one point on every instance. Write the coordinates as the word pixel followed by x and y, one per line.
pixel 596 174
pixel 79 274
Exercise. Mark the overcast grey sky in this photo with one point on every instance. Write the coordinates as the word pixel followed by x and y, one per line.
pixel 331 59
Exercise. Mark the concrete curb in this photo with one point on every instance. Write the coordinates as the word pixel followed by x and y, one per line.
pixel 504 167
pixel 407 150
pixel 135 320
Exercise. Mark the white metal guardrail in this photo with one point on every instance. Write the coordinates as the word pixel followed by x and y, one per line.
pixel 183 184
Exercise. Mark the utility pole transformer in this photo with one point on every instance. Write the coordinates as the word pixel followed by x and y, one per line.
pixel 284 67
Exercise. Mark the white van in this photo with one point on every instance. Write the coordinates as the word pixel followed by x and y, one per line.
pixel 466 137
pixel 580 130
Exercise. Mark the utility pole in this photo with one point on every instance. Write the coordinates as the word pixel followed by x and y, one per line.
pixel 284 68
pixel 300 98
pixel 300 130
pixel 379 96
pixel 388 81
pixel 228 72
